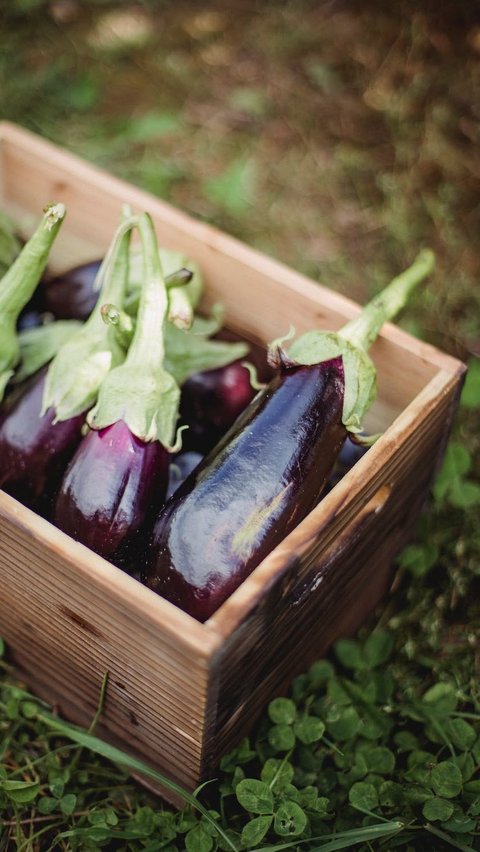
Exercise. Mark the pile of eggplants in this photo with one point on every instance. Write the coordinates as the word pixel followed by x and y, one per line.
pixel 131 425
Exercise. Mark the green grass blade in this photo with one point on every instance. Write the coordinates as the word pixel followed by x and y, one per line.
pixel 344 839
pixel 132 763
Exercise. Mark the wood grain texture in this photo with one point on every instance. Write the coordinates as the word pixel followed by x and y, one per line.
pixel 181 693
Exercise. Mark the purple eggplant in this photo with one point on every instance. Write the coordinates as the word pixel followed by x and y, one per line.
pixel 113 483
pixel 283 443
pixel 118 479
pixel 72 295
pixel 34 450
pixel 270 469
pixel 350 453
pixel 181 466
pixel 210 403
pixel 41 422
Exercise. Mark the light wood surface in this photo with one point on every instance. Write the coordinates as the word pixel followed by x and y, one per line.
pixel 181 693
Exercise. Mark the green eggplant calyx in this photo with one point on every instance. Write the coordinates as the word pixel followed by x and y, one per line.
pixel 81 364
pixel 141 391
pixel 314 347
pixel 39 345
pixel 20 282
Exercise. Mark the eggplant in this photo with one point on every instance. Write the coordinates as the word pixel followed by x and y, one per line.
pixel 180 467
pixel 118 479
pixel 34 450
pixel 42 421
pixel 210 403
pixel 72 295
pixel 112 485
pixel 270 469
pixel 262 479
pixel 348 456
pixel 18 285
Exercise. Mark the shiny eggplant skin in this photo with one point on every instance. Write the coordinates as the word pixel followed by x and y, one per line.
pixel 211 401
pixel 33 451
pixel 71 295
pixel 262 479
pixel 113 485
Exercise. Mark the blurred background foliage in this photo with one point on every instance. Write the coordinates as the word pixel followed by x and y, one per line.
pixel 337 136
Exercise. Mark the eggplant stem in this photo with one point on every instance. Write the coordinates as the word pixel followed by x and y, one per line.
pixel 147 346
pixel 364 329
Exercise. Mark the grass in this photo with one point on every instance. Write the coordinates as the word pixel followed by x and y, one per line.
pixel 339 138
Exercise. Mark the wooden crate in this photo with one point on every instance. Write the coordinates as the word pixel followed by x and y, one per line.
pixel 180 693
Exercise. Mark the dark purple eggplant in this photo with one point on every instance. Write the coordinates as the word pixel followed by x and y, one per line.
pixel 350 453
pixel 41 422
pixel 34 450
pixel 117 481
pixel 270 469
pixel 210 403
pixel 111 486
pixel 72 295
pixel 181 466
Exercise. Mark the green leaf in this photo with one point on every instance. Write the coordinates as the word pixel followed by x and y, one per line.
pixel 380 759
pixel 290 820
pixel 418 559
pixel 446 779
pixel 282 711
pixel 255 830
pixel 2 648
pixel 470 397
pixel 459 823
pixel 255 796
pixel 281 737
pixel 320 671
pixel 309 730
pixel 441 699
pixel 29 709
pixel 277 773
pixel 378 648
pixel 68 804
pixel 197 840
pixel 39 345
pixel 464 493
pixel 437 809
pixel 466 764
pixel 47 805
pixel 461 734
pixel 391 794
pixel 406 741
pixel 234 189
pixel 457 461
pixel 349 653
pixel 346 725
pixel 57 786
pixel 363 796
pixel 20 791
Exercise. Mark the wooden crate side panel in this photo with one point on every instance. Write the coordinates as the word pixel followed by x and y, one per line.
pixel 65 634
pixel 326 591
